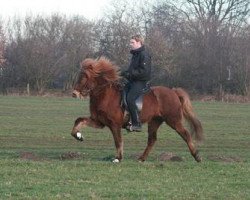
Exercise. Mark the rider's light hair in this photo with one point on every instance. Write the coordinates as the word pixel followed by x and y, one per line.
pixel 138 38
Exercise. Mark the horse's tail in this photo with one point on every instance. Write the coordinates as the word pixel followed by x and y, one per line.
pixel 189 114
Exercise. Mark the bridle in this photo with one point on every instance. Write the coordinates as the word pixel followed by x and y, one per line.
pixel 97 90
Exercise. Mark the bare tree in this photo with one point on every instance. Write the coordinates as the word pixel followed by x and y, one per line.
pixel 113 32
pixel 2 46
pixel 77 43
pixel 3 88
pixel 240 62
pixel 165 40
pixel 202 45
pixel 208 29
pixel 46 51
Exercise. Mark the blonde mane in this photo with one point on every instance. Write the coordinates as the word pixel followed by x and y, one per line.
pixel 101 67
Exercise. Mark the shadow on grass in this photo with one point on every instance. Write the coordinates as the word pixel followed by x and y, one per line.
pixel 75 155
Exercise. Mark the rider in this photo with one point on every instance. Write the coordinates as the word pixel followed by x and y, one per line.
pixel 138 74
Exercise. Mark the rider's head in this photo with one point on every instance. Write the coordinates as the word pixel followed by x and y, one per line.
pixel 136 42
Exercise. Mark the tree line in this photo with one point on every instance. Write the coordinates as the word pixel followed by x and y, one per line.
pixel 200 45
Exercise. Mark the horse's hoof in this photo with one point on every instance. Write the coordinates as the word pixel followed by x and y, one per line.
pixel 79 136
pixel 116 160
pixel 198 158
pixel 141 160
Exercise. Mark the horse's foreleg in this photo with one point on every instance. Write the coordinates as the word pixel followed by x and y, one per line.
pixel 152 137
pixel 82 122
pixel 116 131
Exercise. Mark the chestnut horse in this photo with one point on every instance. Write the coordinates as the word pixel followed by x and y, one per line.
pixel 99 79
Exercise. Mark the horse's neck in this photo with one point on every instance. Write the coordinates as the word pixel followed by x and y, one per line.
pixel 105 102
pixel 103 95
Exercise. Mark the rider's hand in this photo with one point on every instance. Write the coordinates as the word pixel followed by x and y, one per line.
pixel 125 74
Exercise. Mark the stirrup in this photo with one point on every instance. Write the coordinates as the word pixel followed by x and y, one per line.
pixel 129 127
pixel 137 128
pixel 132 128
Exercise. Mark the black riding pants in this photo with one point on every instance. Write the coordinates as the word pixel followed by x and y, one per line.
pixel 134 90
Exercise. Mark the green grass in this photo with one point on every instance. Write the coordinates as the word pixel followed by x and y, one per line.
pixel 42 126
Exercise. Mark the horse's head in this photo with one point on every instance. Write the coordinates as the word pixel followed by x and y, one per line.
pixel 85 82
pixel 95 74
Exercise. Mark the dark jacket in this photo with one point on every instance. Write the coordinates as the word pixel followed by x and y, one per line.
pixel 140 65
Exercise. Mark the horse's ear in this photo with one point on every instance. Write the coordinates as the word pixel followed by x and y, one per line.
pixel 87 63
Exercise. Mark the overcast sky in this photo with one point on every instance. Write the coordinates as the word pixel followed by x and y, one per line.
pixel 90 9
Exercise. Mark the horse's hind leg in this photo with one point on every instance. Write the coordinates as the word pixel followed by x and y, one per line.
pixel 187 138
pixel 152 137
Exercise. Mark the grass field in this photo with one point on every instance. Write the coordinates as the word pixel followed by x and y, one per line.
pixel 35 149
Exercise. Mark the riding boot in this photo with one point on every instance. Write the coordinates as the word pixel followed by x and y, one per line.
pixel 136 124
